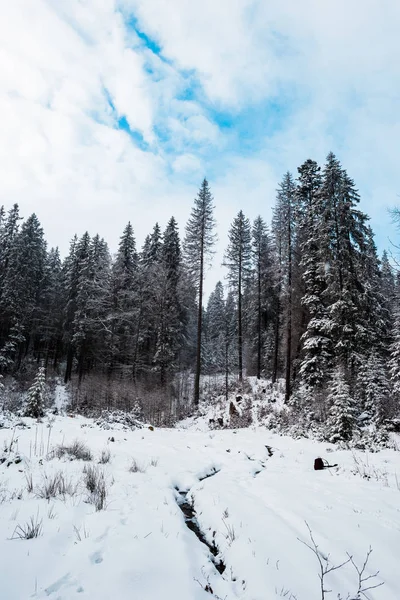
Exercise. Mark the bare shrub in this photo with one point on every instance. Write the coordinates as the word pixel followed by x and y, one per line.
pixel 3 493
pixel 55 485
pixel 81 535
pixel 136 467
pixel 230 531
pixel 105 456
pixel 78 450
pixel 29 482
pixel 142 400
pixel 364 582
pixel 367 471
pixel 90 477
pixel 154 462
pixel 95 482
pixel 29 530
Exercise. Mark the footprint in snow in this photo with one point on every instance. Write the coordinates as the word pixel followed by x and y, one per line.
pixel 96 558
pixel 55 587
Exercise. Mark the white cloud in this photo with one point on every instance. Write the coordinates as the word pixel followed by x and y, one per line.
pixel 332 68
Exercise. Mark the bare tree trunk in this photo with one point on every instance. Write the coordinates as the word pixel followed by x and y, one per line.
pixel 199 330
pixel 288 383
pixel 240 331
pixel 259 321
pixel 68 369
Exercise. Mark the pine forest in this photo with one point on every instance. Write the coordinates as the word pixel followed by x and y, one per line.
pixel 307 305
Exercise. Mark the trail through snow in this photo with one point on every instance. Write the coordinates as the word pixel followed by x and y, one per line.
pixel 251 512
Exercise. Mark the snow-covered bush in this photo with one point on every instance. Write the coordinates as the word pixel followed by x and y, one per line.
pixel 35 404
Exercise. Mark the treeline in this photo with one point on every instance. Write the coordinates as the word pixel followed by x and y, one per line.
pixel 307 299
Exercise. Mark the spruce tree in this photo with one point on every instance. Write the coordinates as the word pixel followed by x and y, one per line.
pixel 168 310
pixel 394 363
pixel 125 311
pixel 51 309
pixel 238 261
pixel 262 289
pixel 377 390
pixel 341 420
pixel 284 229
pixel 90 331
pixel 35 404
pixel 74 269
pixel 214 346
pixel 316 353
pixel 345 234
pixel 198 249
pixel 23 282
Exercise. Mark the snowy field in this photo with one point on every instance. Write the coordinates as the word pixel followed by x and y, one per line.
pixel 251 506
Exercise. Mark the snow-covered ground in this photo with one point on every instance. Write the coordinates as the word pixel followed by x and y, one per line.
pixel 252 510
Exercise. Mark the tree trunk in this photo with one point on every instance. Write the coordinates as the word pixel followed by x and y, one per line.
pixel 276 345
pixel 199 331
pixel 259 321
pixel 240 332
pixel 68 368
pixel 288 385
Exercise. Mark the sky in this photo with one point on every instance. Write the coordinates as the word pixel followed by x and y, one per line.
pixel 115 110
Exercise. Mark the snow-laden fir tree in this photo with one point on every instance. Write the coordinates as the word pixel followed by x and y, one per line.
pixel 93 305
pixel 125 304
pixel 345 237
pixel 35 404
pixel 262 293
pixel 150 276
pixel 284 230
pixel 168 310
pixel 73 266
pixel 394 363
pixel 22 284
pixel 377 390
pixel 214 342
pixel 388 294
pixel 341 420
pixel 316 353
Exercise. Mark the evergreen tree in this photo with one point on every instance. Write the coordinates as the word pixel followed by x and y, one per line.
pixel 388 290
pixel 23 283
pixel 341 421
pixel 376 390
pixel 168 309
pixel 74 268
pixel 51 309
pixel 238 261
pixel 284 229
pixel 35 404
pixel 394 363
pixel 149 296
pixel 345 236
pixel 198 245
pixel 125 303
pixel 9 228
pixel 230 336
pixel 214 351
pixel 262 289
pixel 316 340
pixel 90 337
